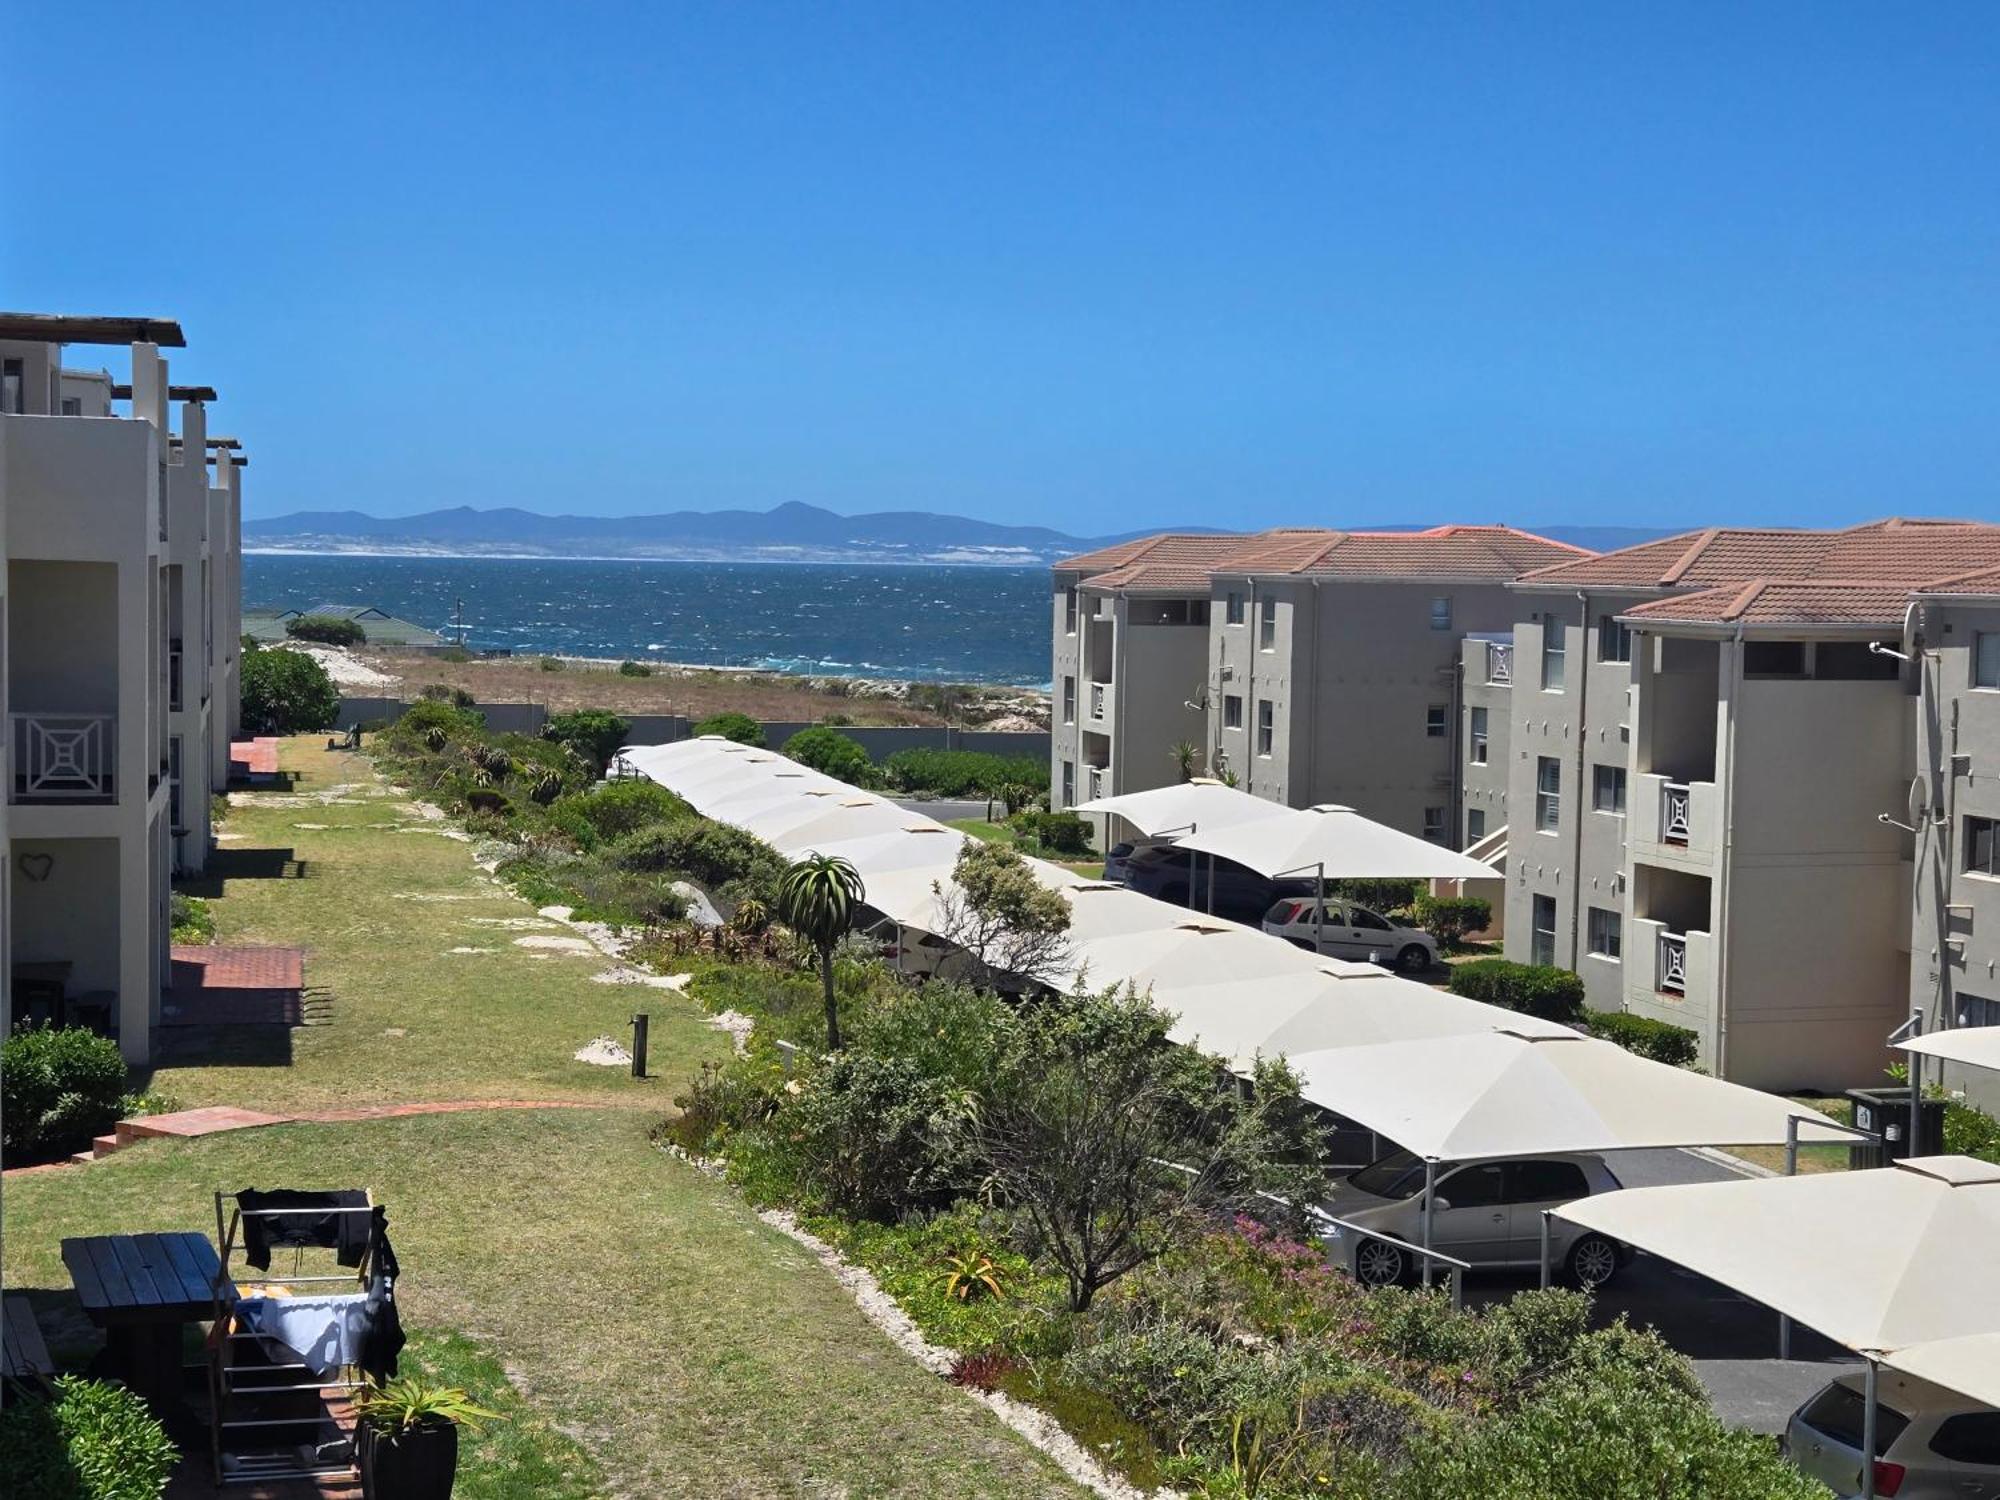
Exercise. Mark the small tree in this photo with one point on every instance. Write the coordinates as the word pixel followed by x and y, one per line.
pixel 1187 760
pixel 833 753
pixel 1003 922
pixel 1117 1144
pixel 328 630
pixel 817 898
pixel 732 726
pixel 286 692
pixel 594 733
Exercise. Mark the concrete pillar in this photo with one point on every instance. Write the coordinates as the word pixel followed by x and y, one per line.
pixel 149 387
pixel 137 966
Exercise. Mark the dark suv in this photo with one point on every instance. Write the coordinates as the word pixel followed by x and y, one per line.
pixel 1240 893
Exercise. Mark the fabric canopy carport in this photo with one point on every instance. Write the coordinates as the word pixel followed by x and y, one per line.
pixel 1978 1046
pixel 1186 806
pixel 1336 842
pixel 1968 1365
pixel 1512 1093
pixel 1876 1260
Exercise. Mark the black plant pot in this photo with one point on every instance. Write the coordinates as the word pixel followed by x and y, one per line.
pixel 419 1464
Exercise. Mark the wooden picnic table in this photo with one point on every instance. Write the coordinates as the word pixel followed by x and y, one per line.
pixel 24 1354
pixel 141 1289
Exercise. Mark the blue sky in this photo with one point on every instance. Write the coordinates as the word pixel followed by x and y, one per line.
pixel 1097 267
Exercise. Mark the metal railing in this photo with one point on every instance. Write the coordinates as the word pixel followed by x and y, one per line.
pixel 64 757
pixel 174 676
pixel 1499 661
pixel 1097 700
pixel 1671 963
pixel 1099 775
pixel 1674 812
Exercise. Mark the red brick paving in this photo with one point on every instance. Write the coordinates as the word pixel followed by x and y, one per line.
pixel 255 757
pixel 216 986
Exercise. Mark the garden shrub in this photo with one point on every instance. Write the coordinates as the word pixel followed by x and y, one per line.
pixel 455 654
pixel 444 692
pixel 92 1441
pixel 1379 895
pixel 731 726
pixel 1971 1131
pixel 1662 1041
pixel 726 1098
pixel 622 807
pixel 835 754
pixel 1450 918
pixel 873 1137
pixel 63 1087
pixel 712 854
pixel 286 692
pixel 1534 989
pixel 328 630
pixel 191 918
pixel 964 773
pixel 1054 832
pixel 634 669
pixel 550 664
pixel 951 1032
pixel 594 733
pixel 458 721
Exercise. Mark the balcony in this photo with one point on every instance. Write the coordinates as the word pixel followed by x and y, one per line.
pixel 1676 812
pixel 1499 661
pixel 1098 780
pixel 174 675
pixel 64 757
pixel 1670 963
pixel 1675 821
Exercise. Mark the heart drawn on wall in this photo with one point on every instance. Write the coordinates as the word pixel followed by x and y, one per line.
pixel 36 866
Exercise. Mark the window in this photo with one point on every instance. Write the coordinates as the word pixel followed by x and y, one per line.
pixel 1361 919
pixel 1554 651
pixel 1545 1182
pixel 1542 931
pixel 1232 710
pixel 1774 658
pixel 13 386
pixel 1267 624
pixel 1986 659
pixel 1434 824
pixel 1973 1011
pixel 1483 1186
pixel 1839 1413
pixel 1441 612
pixel 1475 824
pixel 1607 789
pixel 1267 726
pixel 1069 611
pixel 1548 793
pixel 1614 641
pixel 71 406
pixel 1069 700
pixel 1069 783
pixel 1982 849
pixel 1476 737
pixel 1232 608
pixel 1970 1438
pixel 1437 720
pixel 1169 612
pixel 1605 933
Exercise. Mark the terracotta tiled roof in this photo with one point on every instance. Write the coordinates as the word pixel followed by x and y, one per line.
pixel 1979 581
pixel 1180 560
pixel 1898 552
pixel 1769 601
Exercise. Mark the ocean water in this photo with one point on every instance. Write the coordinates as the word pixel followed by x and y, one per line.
pixel 943 624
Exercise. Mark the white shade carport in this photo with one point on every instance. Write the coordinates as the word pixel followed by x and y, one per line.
pixel 899 868
pixel 1969 1365
pixel 1488 1094
pixel 1199 804
pixel 1876 1260
pixel 1978 1046
pixel 1337 842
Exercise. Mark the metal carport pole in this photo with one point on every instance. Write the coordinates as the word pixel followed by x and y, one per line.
pixel 1868 1430
pixel 1791 1170
pixel 1430 1197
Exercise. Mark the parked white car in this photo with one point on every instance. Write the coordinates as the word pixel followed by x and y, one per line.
pixel 1352 931
pixel 1488 1214
pixel 1930 1443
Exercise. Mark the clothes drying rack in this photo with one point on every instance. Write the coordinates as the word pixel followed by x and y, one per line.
pixel 284 1401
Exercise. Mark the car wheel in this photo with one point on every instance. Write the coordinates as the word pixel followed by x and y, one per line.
pixel 1379 1264
pixel 1414 959
pixel 1593 1260
pixel 1300 943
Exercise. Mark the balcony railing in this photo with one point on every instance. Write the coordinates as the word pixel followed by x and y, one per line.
pixel 1499 661
pixel 1676 815
pixel 174 676
pixel 1100 781
pixel 1671 964
pixel 1097 700
pixel 64 757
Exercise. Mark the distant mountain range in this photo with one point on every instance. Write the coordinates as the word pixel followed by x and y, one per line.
pixel 789 533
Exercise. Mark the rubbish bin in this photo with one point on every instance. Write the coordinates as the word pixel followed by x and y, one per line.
pixel 1886 1113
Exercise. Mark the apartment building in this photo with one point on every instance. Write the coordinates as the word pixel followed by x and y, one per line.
pixel 1712 741
pixel 111 613
pixel 1314 666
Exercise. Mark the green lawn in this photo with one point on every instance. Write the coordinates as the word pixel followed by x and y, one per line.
pixel 1000 833
pixel 658 1338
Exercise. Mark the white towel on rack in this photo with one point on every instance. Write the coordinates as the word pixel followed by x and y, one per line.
pixel 323 1332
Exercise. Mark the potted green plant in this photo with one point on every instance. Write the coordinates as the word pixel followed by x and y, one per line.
pixel 407 1438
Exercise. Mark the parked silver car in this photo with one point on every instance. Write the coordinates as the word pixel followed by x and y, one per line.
pixel 1351 930
pixel 1930 1442
pixel 1488 1214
